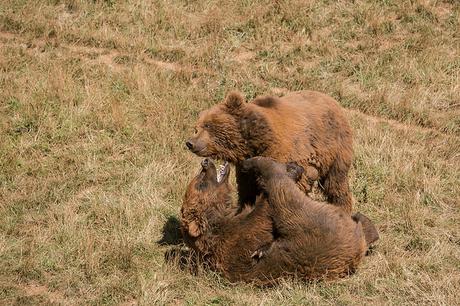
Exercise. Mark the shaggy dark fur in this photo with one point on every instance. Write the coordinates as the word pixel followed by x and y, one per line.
pixel 284 234
pixel 306 127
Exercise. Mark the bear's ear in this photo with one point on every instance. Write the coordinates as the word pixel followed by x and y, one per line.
pixel 194 229
pixel 234 100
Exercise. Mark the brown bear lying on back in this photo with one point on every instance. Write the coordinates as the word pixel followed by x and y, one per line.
pixel 284 234
pixel 305 127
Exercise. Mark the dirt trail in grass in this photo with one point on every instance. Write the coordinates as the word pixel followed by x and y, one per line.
pixel 110 57
pixel 395 124
pixel 114 59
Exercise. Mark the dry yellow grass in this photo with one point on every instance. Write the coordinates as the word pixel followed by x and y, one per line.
pixel 97 98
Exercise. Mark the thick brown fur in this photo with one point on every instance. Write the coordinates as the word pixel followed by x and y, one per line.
pixel 306 127
pixel 284 234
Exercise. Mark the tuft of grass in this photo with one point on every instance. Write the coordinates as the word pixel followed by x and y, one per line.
pixel 97 98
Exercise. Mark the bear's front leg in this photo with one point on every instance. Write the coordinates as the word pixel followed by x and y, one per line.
pixel 247 188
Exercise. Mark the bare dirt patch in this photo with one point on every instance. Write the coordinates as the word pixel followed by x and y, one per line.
pixel 34 289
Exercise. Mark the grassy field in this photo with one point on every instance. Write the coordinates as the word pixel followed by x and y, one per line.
pixel 98 97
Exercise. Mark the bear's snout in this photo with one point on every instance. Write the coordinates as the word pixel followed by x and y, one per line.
pixel 205 163
pixel 189 145
pixel 197 146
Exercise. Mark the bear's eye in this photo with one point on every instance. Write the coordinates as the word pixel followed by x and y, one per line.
pixel 207 125
pixel 196 130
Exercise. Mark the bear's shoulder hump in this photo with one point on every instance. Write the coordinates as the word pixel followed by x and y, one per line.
pixel 267 101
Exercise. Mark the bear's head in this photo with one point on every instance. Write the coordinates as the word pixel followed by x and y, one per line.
pixel 209 190
pixel 220 131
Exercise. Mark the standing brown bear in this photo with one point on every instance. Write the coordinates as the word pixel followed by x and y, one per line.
pixel 284 234
pixel 305 127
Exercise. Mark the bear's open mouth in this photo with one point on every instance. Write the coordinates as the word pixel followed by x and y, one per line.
pixel 222 170
pixel 208 168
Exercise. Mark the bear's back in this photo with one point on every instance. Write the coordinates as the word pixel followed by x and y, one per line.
pixel 301 123
pixel 306 103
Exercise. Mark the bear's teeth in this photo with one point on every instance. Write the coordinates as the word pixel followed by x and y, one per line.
pixel 221 172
